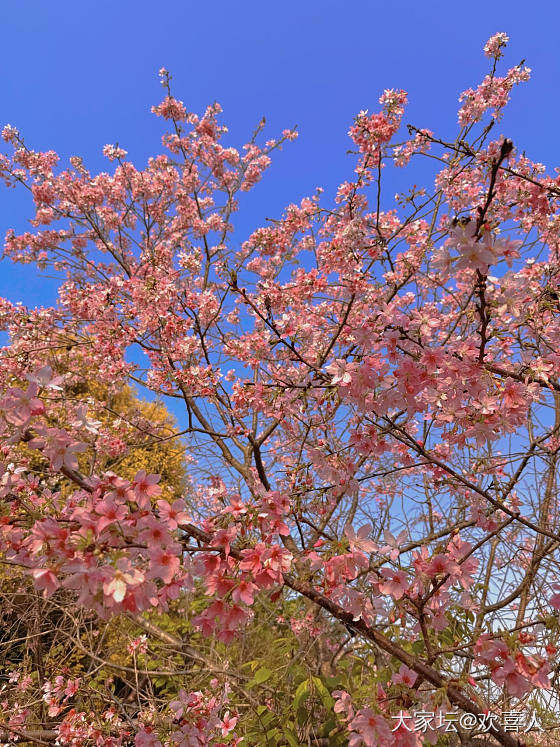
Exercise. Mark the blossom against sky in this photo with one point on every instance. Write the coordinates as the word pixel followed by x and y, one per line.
pixel 76 76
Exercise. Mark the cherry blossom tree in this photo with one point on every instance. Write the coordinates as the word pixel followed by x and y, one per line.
pixel 371 411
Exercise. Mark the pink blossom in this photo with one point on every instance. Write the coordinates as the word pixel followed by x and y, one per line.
pixel 72 687
pixel 44 378
pixel 138 645
pixel 146 737
pixel 163 564
pixel 46 580
pixel 392 548
pixel 441 565
pixel 507 675
pixel 395 584
pixel 359 540
pixel 83 421
pixel 343 703
pixel 227 723
pixel 153 532
pixel 120 579
pixel 109 512
pixel 20 405
pixel 372 728
pixel 495 44
pixel 404 676
pixel 341 372
pixel 244 592
pixel 173 514
pixel 145 487
pixel 253 558
pixel 473 253
pixel 57 445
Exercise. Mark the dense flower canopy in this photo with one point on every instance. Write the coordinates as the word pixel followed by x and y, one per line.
pixel 371 423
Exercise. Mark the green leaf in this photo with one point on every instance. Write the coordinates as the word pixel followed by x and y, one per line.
pixel 261 675
pixel 266 719
pixel 273 733
pixel 291 738
pixel 329 725
pixel 324 694
pixel 301 692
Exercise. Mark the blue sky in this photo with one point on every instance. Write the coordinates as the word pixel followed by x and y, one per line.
pixel 77 75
